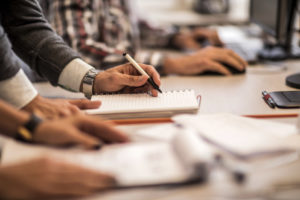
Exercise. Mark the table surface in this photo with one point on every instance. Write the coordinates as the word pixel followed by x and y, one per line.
pixel 238 94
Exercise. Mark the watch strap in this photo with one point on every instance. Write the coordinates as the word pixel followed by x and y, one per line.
pixel 25 132
pixel 88 83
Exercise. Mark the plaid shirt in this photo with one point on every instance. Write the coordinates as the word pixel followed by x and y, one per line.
pixel 101 30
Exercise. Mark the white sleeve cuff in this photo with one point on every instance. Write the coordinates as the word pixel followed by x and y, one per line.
pixel 17 90
pixel 72 75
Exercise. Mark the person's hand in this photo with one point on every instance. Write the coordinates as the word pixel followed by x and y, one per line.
pixel 190 40
pixel 54 108
pixel 83 130
pixel 207 59
pixel 126 79
pixel 46 178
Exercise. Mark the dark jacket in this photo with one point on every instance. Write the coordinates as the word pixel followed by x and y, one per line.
pixel 24 28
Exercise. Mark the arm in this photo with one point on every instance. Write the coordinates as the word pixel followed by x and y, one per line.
pixel 33 39
pixel 12 77
pixel 76 129
pixel 11 119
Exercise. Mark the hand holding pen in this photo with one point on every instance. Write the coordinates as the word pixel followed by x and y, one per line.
pixel 127 79
pixel 142 72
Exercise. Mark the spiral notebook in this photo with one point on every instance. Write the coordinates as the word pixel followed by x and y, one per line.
pixel 128 106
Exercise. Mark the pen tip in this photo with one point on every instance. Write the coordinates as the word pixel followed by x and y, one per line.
pixel 124 54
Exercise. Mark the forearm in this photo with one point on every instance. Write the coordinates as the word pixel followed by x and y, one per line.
pixel 34 40
pixel 155 36
pixel 11 119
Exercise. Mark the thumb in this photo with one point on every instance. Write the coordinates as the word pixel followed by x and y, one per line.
pixel 133 81
pixel 85 104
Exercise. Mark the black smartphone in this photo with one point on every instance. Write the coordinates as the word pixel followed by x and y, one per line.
pixel 286 99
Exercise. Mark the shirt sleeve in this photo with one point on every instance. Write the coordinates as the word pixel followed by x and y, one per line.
pixel 17 90
pixel 73 72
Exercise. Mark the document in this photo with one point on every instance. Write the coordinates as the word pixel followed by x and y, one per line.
pixel 180 152
pixel 183 160
pixel 243 137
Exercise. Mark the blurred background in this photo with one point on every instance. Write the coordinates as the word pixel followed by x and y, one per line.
pixel 202 12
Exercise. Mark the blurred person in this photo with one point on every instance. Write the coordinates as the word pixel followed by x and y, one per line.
pixel 100 30
pixel 25 34
pixel 47 178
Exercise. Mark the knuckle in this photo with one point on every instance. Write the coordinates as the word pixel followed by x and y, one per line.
pixel 204 62
pixel 45 162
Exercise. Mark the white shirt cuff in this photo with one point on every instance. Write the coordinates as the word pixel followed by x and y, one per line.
pixel 72 75
pixel 17 90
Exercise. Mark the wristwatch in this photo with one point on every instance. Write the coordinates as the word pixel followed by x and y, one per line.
pixel 88 82
pixel 25 132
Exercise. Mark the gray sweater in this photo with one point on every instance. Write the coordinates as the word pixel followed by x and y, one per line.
pixel 24 32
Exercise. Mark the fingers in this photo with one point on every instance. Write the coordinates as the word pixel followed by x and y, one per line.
pixel 67 110
pixel 132 81
pixel 63 179
pixel 231 61
pixel 85 178
pixel 238 58
pixel 145 89
pixel 152 72
pixel 76 137
pixel 155 76
pixel 217 67
pixel 103 130
pixel 227 56
pixel 239 62
pixel 85 104
pixel 154 92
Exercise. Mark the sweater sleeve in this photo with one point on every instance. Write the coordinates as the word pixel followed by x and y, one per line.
pixel 33 40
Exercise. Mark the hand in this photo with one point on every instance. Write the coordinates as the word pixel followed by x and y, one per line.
pixel 82 130
pixel 207 59
pixel 190 40
pixel 126 79
pixel 45 178
pixel 54 108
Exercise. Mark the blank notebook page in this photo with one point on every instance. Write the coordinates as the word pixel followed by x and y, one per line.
pixel 171 100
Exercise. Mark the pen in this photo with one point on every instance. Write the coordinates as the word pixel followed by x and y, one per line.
pixel 268 99
pixel 138 67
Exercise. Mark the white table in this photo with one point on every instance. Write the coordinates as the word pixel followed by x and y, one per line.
pixel 240 95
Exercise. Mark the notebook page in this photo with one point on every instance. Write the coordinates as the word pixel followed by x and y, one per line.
pixel 170 100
